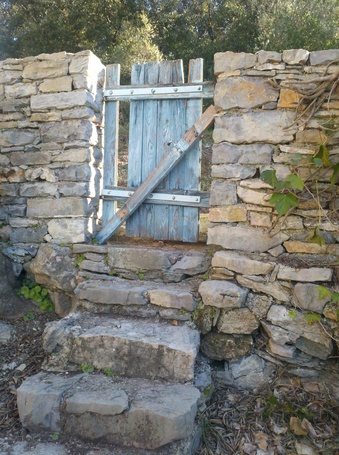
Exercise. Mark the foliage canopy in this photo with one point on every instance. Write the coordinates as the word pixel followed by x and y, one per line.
pixel 140 30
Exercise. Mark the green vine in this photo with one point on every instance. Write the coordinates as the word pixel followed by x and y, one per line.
pixel 31 290
pixel 290 193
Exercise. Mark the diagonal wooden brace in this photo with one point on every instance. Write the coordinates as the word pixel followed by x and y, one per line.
pixel 176 152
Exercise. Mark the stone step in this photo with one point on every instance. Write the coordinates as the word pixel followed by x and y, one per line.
pixel 134 262
pixel 133 413
pixel 139 298
pixel 129 347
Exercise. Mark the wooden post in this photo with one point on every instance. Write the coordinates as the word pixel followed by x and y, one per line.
pixel 111 135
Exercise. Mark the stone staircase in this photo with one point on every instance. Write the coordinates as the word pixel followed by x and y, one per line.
pixel 132 324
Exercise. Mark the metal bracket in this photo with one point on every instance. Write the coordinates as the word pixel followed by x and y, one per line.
pixel 153 196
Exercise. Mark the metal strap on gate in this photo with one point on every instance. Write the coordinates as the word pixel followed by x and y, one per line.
pixel 153 196
pixel 159 92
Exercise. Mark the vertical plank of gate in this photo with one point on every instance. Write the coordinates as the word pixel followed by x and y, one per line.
pixel 163 137
pixel 191 162
pixel 149 162
pixel 111 134
pixel 176 178
pixel 135 146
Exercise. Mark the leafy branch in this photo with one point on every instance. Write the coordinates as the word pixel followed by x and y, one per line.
pixel 288 194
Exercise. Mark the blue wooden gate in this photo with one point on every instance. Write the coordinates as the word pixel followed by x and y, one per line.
pixel 162 108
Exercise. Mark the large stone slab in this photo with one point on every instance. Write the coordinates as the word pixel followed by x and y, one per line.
pixel 229 61
pixel 70 230
pixel 69 130
pixel 63 100
pixel 117 292
pixel 310 339
pixel 241 264
pixel 265 126
pixel 243 92
pixel 63 207
pixel 311 274
pixel 132 348
pixel 244 238
pixel 131 413
pixel 39 399
pixel 324 57
pixel 226 153
pixel 53 267
pixel 45 69
pixel 172 298
pixel 222 294
pixel 170 265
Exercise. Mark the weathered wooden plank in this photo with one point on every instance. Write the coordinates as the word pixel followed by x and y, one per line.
pixel 135 146
pixel 149 159
pixel 177 177
pixel 160 227
pixel 176 153
pixel 111 134
pixel 191 162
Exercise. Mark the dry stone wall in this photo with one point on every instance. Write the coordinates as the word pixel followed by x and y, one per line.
pixel 50 149
pixel 260 274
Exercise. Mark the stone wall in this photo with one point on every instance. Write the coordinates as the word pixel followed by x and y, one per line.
pixel 50 139
pixel 260 274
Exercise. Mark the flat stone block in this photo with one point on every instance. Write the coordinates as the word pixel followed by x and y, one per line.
pixel 138 258
pixel 39 399
pixel 243 92
pixel 229 214
pixel 241 264
pixel 227 153
pixel 132 348
pixel 324 57
pixel 223 193
pixel 17 138
pixel 308 275
pixel 62 100
pixel 70 230
pixel 45 69
pixel 296 56
pixel 244 238
pixel 171 298
pixel 30 158
pixel 20 90
pixel 222 294
pixel 158 413
pixel 265 126
pixel 229 61
pixel 69 131
pixel 63 207
pixel 117 292
pixel 58 84
pixel 28 235
pixel 240 321
pixel 233 171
